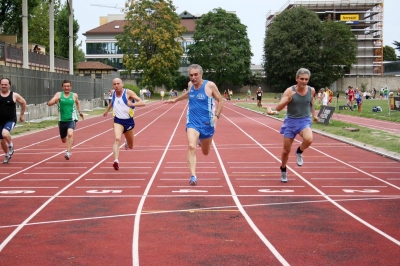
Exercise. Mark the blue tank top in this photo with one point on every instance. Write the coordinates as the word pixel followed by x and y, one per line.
pixel 201 107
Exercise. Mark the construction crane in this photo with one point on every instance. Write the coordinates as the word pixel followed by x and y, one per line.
pixel 116 6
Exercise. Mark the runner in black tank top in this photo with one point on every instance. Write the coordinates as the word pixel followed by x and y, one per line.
pixel 8 116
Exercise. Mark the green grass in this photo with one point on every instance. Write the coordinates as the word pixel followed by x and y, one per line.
pixel 27 127
pixel 365 135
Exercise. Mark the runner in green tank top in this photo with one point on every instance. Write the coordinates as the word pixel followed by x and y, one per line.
pixel 68 107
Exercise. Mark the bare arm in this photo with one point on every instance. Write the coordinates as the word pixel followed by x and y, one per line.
pixel 180 97
pixel 55 99
pixel 217 96
pixel 138 102
pixel 315 117
pixel 78 105
pixel 286 98
pixel 108 108
pixel 22 102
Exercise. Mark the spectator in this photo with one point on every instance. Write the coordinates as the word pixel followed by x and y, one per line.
pixel 148 94
pixel 162 94
pixel 36 49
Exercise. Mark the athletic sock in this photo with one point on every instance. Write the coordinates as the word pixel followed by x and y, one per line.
pixel 11 144
pixel 299 151
pixel 283 169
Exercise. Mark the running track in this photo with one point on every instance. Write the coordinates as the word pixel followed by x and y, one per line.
pixel 340 208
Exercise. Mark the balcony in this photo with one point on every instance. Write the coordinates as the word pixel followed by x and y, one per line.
pixel 11 55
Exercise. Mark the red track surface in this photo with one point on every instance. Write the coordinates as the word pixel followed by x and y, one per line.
pixel 340 208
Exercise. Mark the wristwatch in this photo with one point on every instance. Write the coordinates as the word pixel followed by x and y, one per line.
pixel 217 116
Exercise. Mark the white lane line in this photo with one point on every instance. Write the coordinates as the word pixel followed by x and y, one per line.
pixel 259 173
pixel 20 226
pixel 271 186
pixel 252 167
pixel 364 162
pixel 129 167
pixel 139 210
pixel 50 173
pixel 186 162
pixel 80 162
pixel 396 173
pixel 393 179
pixel 52 167
pixel 397 242
pixel 28 187
pixel 330 172
pixel 258 179
pixel 381 167
pixel 110 187
pixel 243 211
pixel 113 179
pixel 179 179
pixel 188 186
pixel 339 178
pixel 119 173
pixel 185 167
pixel 250 162
pixel 30 179
pixel 186 172
pixel 187 210
pixel 353 186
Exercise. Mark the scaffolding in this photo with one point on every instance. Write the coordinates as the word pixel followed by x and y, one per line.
pixel 367 27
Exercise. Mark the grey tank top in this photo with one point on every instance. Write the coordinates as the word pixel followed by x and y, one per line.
pixel 299 106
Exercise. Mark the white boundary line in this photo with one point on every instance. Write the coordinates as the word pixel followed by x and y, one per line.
pixel 397 242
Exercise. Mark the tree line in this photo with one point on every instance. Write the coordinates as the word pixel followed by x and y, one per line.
pixel 38 25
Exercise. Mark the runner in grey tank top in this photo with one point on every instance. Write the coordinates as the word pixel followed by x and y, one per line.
pixel 299 100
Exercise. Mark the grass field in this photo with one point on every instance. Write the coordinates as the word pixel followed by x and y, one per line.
pixel 373 137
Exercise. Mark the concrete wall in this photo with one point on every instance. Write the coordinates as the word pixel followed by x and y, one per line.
pixel 372 82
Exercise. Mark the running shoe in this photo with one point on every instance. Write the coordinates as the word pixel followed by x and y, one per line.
pixel 193 181
pixel 10 150
pixel 299 159
pixel 67 155
pixel 6 159
pixel 126 145
pixel 284 177
pixel 116 165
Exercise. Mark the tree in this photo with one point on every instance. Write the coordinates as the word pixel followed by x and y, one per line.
pixel 397 44
pixel 296 39
pixel 11 15
pixel 338 51
pixel 389 54
pixel 221 47
pixel 150 41
pixel 39 24
pixel 62 33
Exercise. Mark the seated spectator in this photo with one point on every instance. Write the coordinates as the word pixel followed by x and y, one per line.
pixel 36 49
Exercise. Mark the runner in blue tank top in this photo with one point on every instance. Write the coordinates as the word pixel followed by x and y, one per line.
pixel 202 115
pixel 299 100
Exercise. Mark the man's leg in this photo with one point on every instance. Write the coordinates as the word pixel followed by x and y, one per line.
pixel 70 139
pixel 130 139
pixel 118 130
pixel 192 136
pixel 307 136
pixel 287 145
pixel 6 141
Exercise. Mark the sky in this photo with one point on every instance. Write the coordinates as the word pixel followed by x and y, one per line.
pixel 251 13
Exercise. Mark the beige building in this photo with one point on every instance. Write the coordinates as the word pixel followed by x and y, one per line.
pixel 365 17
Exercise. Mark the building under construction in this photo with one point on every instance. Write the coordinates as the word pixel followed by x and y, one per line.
pixel 365 17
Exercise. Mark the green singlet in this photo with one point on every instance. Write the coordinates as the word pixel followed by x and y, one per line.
pixel 66 108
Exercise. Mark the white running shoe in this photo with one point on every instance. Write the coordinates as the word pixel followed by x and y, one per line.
pixel 299 159
pixel 284 177
pixel 67 155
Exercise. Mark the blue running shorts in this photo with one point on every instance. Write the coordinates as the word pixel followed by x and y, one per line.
pixel 7 126
pixel 293 126
pixel 206 132
pixel 128 124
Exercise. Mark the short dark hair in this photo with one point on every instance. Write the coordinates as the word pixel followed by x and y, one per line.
pixel 66 81
pixel 9 81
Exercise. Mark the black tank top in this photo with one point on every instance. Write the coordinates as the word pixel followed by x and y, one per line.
pixel 8 110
